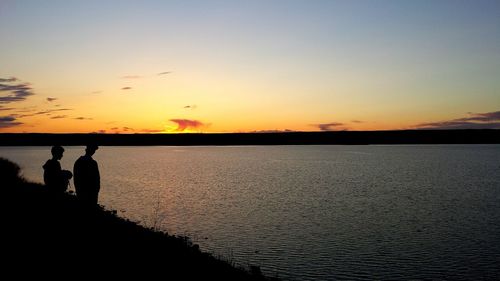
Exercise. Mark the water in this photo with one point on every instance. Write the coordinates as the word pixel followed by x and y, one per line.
pixel 313 212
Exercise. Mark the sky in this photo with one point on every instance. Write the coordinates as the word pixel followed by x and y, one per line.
pixel 120 66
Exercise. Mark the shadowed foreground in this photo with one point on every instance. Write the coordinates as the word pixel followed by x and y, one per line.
pixel 46 234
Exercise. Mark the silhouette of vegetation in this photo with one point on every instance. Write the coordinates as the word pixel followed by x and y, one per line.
pixel 54 234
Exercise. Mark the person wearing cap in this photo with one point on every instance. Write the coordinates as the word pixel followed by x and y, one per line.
pixel 55 178
pixel 87 179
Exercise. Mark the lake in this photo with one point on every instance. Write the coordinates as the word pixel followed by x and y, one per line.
pixel 312 212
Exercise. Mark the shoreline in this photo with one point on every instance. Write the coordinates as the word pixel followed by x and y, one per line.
pixel 55 232
pixel 487 136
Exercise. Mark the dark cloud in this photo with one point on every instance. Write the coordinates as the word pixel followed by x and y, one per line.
pixel 51 99
pixel 82 118
pixel 165 72
pixel 11 79
pixel 6 108
pixel 127 88
pixel 334 126
pixel 58 116
pixel 184 124
pixel 43 112
pixel 8 122
pixel 482 117
pixel 488 120
pixel 127 129
pixel 15 91
pixel 449 125
pixel 357 121
pixel 190 106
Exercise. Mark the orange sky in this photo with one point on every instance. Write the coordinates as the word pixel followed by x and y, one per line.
pixel 230 66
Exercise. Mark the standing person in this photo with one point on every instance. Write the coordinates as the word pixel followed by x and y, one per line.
pixel 55 178
pixel 87 179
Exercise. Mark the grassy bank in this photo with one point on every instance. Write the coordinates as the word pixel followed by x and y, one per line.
pixel 53 234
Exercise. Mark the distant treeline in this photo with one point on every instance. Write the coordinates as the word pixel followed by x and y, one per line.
pixel 288 138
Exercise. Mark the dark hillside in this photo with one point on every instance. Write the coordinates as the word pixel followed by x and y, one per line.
pixel 46 234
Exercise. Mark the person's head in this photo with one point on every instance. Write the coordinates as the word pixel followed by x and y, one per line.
pixel 57 152
pixel 90 149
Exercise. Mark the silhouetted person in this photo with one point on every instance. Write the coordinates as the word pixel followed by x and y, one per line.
pixel 55 178
pixel 87 179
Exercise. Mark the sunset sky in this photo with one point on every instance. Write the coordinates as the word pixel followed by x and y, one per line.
pixel 244 66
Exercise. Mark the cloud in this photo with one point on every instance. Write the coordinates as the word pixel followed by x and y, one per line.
pixel 8 121
pixel 11 79
pixel 6 108
pixel 482 117
pixel 357 121
pixel 15 91
pixel 58 117
pixel 151 131
pixel 51 99
pixel 165 73
pixel 82 118
pixel 448 125
pixel 488 120
pixel 334 126
pixel 131 77
pixel 273 131
pixel 43 112
pixel 190 106
pixel 186 124
pixel 127 88
pixel 96 92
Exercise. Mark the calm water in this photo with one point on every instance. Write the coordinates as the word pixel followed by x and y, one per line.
pixel 313 212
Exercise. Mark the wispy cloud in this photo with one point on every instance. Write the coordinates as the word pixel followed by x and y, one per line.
pixel 6 108
pixel 82 118
pixel 273 131
pixel 357 121
pixel 15 91
pixel 118 130
pixel 151 131
pixel 96 92
pixel 334 126
pixel 49 99
pixel 186 124
pixel 190 106
pixel 488 120
pixel 10 79
pixel 127 88
pixel 165 73
pixel 131 77
pixel 59 117
pixel 8 122
pixel 43 112
pixel 482 117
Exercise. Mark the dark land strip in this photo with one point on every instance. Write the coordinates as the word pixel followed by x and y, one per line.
pixel 288 138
